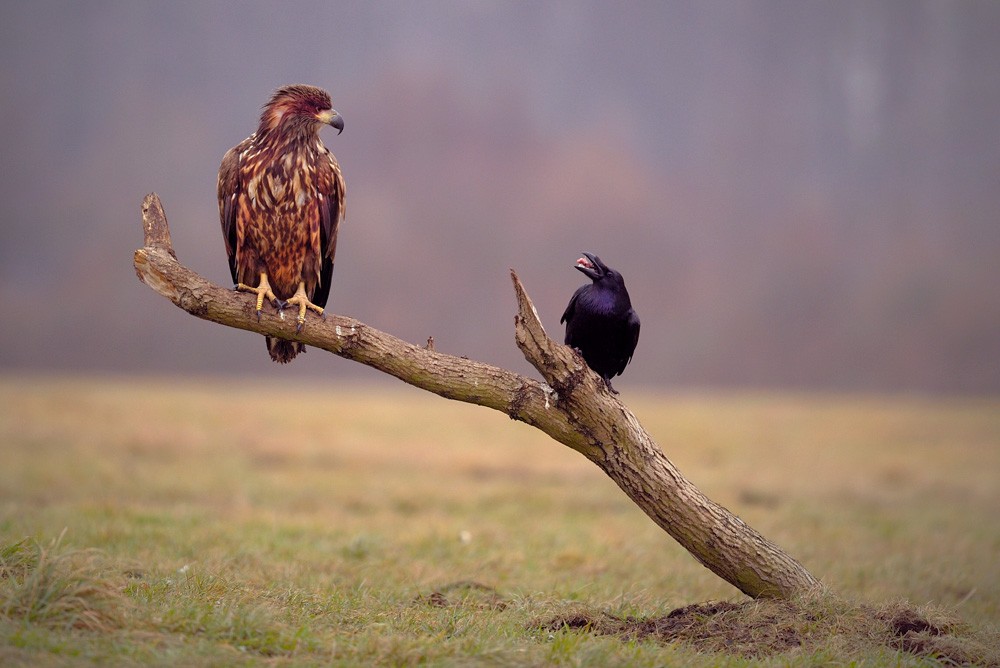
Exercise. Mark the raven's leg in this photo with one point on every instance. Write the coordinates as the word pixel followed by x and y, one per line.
pixel 607 381
pixel 263 291
pixel 302 301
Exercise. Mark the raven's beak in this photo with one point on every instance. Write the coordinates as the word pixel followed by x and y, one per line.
pixel 333 119
pixel 589 265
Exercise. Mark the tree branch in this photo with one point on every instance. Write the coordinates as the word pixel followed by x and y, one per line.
pixel 573 406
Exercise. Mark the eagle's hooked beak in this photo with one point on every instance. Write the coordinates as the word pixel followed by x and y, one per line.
pixel 332 118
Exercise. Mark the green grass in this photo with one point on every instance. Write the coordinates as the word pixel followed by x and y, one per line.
pixel 206 523
pixel 57 588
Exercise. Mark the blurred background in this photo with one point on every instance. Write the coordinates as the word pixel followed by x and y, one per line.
pixel 799 194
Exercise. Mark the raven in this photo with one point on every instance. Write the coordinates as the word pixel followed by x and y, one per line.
pixel 600 322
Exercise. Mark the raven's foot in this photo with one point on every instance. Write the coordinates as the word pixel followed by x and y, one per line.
pixel 302 301
pixel 263 291
pixel 607 381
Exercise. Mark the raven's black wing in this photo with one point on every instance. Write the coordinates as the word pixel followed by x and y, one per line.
pixel 633 333
pixel 568 314
pixel 629 341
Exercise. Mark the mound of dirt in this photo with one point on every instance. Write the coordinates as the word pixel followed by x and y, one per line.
pixel 915 634
pixel 758 629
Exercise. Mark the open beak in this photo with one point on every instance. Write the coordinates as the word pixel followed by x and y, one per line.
pixel 590 265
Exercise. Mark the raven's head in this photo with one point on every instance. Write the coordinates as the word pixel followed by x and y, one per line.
pixel 592 266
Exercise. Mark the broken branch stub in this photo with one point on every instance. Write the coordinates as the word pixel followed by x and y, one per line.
pixel 572 406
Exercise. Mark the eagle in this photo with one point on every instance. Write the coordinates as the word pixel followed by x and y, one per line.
pixel 281 202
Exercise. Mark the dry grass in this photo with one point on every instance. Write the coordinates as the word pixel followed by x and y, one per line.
pixel 244 523
pixel 55 587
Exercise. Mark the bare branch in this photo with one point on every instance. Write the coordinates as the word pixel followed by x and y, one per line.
pixel 572 406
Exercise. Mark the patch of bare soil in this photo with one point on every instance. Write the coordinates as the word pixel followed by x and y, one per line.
pixel 913 633
pixel 758 629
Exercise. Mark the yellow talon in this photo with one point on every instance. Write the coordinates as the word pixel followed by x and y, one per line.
pixel 263 290
pixel 302 301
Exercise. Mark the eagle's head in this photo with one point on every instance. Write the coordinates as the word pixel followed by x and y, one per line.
pixel 299 109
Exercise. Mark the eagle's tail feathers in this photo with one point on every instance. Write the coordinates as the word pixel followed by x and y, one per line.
pixel 283 351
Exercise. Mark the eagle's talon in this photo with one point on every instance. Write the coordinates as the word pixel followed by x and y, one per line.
pixel 263 291
pixel 302 301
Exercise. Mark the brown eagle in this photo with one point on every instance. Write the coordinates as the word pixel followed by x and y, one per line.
pixel 281 200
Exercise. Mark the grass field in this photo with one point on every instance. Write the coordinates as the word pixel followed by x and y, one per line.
pixel 196 523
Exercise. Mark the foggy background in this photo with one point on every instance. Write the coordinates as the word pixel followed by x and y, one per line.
pixel 799 194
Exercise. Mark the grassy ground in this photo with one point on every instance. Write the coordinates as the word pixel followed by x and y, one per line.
pixel 239 523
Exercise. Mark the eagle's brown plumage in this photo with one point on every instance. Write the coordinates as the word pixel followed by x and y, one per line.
pixel 281 200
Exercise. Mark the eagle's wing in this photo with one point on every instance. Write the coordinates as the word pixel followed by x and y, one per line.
pixel 332 207
pixel 228 191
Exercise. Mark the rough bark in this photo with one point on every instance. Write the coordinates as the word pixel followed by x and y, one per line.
pixel 572 406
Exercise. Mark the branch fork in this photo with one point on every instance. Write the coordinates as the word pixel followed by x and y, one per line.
pixel 573 406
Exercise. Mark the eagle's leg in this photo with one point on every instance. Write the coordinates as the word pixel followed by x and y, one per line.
pixel 263 291
pixel 302 301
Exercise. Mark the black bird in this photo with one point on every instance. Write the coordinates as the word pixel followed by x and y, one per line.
pixel 600 322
